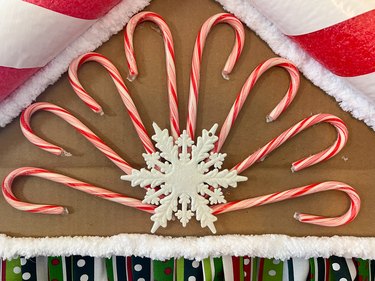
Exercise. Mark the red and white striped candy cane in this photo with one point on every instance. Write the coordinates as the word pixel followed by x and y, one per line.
pixel 70 182
pixel 121 88
pixel 249 84
pixel 217 209
pixel 355 203
pixel 197 58
pixel 77 124
pixel 342 138
pixel 170 61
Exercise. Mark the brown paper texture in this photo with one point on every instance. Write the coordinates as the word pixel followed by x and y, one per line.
pixel 94 216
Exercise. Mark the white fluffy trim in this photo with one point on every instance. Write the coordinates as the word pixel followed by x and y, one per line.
pixel 98 33
pixel 159 247
pixel 349 98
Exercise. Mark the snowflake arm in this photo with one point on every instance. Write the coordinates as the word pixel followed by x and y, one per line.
pixel 216 160
pixel 165 144
pixel 215 195
pixel 144 178
pixel 184 215
pixel 203 212
pixel 153 196
pixel 223 178
pixel 184 142
pixel 163 213
pixel 204 145
pixel 153 161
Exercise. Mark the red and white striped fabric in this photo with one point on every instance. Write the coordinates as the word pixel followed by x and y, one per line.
pixel 339 34
pixel 39 38
pixel 42 30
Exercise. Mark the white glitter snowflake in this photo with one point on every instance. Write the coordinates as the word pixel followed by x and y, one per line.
pixel 184 178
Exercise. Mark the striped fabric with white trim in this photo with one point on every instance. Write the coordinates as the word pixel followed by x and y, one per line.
pixel 339 34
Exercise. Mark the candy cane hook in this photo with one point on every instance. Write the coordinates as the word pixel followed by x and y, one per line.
pixel 77 124
pixel 248 86
pixel 170 61
pixel 70 182
pixel 352 212
pixel 342 138
pixel 197 58
pixel 121 88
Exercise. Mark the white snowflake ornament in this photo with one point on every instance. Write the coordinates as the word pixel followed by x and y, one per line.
pixel 184 178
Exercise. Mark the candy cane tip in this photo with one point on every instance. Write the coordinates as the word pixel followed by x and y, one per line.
pixel 101 112
pixel 65 153
pixel 293 169
pixel 297 216
pixel 225 74
pixel 131 77
pixel 65 211
pixel 269 119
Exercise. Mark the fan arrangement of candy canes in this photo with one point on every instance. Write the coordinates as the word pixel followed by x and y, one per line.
pixel 184 176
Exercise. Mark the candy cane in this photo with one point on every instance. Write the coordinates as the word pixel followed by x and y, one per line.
pixel 342 138
pixel 217 209
pixel 355 203
pixel 249 84
pixel 197 57
pixel 170 61
pixel 121 88
pixel 70 182
pixel 78 125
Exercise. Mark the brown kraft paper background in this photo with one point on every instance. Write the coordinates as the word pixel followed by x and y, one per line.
pixel 94 216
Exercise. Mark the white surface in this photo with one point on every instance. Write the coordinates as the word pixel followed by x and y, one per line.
pixel 350 99
pixel 100 272
pixel 31 36
pixel 184 172
pixel 364 83
pixel 41 268
pixel 159 247
pixel 296 17
pixel 227 268
pixel 91 39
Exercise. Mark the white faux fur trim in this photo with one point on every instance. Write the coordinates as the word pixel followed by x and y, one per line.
pixel 98 33
pixel 159 247
pixel 349 98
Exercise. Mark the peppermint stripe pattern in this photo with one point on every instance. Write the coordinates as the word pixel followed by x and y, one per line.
pixel 227 268
pixel 345 28
pixel 212 269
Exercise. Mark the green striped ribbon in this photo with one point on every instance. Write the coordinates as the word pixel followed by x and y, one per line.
pixel 213 269
pixel 180 269
pixel 109 268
